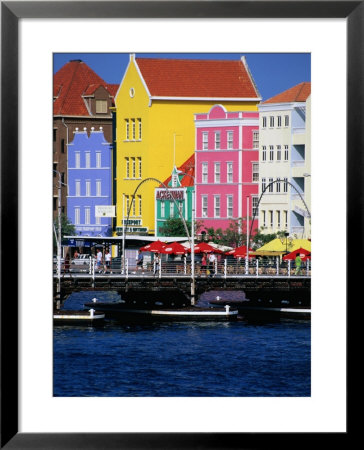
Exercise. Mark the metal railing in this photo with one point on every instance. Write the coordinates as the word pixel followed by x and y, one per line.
pixel 222 268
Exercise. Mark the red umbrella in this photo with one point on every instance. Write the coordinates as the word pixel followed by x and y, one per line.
pixel 304 254
pixel 174 248
pixel 239 252
pixel 203 247
pixel 155 247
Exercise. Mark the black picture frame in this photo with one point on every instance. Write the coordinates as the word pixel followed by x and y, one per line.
pixel 11 13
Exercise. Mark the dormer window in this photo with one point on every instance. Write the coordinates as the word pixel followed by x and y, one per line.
pixel 101 106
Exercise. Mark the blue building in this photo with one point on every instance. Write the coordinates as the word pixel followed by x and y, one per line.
pixel 89 183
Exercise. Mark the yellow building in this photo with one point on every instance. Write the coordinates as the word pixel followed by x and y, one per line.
pixel 155 107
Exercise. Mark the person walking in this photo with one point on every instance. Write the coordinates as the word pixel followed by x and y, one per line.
pixel 298 262
pixel 212 259
pixel 139 260
pixel 156 263
pixel 107 265
pixel 99 260
pixel 203 264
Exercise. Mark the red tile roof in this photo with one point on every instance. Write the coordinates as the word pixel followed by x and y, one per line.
pixel 70 83
pixel 298 93
pixel 188 167
pixel 197 78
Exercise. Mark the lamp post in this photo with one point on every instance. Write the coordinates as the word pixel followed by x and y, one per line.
pixel 247 237
pixel 286 235
pixel 59 237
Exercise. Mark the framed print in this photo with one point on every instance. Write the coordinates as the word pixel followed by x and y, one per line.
pixel 30 416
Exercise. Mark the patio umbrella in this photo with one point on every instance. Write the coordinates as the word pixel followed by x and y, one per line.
pixel 154 247
pixel 175 248
pixel 304 254
pixel 239 252
pixel 203 247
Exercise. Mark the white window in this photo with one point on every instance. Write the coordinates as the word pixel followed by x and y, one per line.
pixel 88 188
pixel 286 155
pixel 98 160
pixel 205 140
pixel 217 205
pixel 278 219
pixel 264 219
pixel 285 219
pixel 271 121
pixel 229 172
pixel 279 153
pixel 286 121
pixel 255 139
pixel 270 189
pixel 217 173
pixel 264 153
pixel 279 121
pixel 88 160
pixel 171 209
pixel 98 220
pixel 77 160
pixel 230 137
pixel 78 188
pixel 229 206
pixel 77 216
pixel 101 106
pixel 255 206
pixel 271 153
pixel 217 140
pixel 204 172
pixel 278 185
pixel 133 208
pixel 264 185
pixel 271 219
pixel 285 184
pixel 98 188
pixel 140 204
pixel 204 205
pixel 133 168
pixel 127 205
pixel 180 207
pixel 140 167
pixel 133 129
pixel 264 122
pixel 140 129
pixel 127 129
pixel 87 216
pixel 255 172
pixel 127 168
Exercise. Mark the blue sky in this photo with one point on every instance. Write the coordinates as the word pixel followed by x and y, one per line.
pixel 272 72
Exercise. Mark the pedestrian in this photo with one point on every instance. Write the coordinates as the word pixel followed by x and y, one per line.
pixel 156 263
pixel 67 263
pixel 212 259
pixel 298 262
pixel 76 254
pixel 107 265
pixel 203 264
pixel 99 260
pixel 139 260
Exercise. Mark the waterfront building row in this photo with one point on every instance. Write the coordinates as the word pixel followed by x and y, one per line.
pixel 162 126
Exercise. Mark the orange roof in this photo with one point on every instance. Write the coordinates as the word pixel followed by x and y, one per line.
pixel 197 78
pixel 71 82
pixel 298 93
pixel 188 167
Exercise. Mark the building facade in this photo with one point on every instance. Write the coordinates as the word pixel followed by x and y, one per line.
pixel 177 200
pixel 227 167
pixel 155 107
pixel 285 162
pixel 80 99
pixel 89 199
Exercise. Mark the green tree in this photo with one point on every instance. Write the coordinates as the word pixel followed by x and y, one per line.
pixel 174 227
pixel 67 228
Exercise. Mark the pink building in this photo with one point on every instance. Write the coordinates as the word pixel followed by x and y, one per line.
pixel 227 166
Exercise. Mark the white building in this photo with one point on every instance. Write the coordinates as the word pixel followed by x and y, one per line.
pixel 285 162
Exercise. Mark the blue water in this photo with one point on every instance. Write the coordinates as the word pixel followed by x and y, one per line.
pixel 270 358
